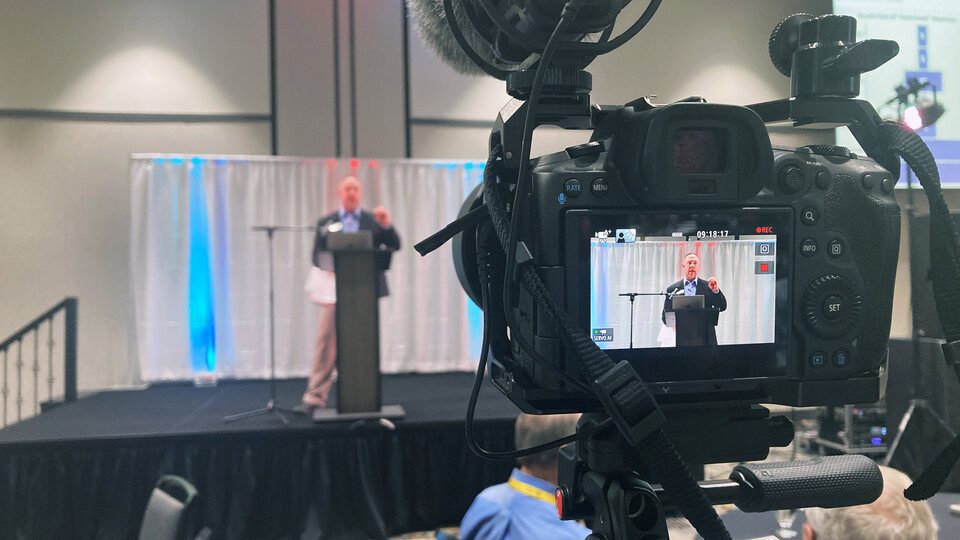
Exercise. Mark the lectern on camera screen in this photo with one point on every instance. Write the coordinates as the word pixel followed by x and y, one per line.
pixel 687 296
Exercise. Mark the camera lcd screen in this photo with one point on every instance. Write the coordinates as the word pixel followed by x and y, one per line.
pixel 728 272
pixel 699 150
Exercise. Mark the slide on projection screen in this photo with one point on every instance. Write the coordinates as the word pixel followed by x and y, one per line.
pixel 929 36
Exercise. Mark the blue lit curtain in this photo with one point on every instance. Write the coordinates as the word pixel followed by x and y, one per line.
pixel 200 275
pixel 652 266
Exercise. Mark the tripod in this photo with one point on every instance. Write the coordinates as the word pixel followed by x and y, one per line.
pixel 633 296
pixel 272 405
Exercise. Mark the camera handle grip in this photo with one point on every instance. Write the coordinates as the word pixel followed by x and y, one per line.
pixel 827 482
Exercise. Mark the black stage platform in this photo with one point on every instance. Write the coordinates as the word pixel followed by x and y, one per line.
pixel 85 469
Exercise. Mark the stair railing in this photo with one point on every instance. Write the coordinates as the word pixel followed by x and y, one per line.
pixel 21 343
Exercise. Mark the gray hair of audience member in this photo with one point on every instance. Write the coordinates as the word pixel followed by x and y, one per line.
pixel 535 429
pixel 890 517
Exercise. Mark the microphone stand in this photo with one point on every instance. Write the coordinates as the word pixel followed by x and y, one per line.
pixel 272 405
pixel 633 296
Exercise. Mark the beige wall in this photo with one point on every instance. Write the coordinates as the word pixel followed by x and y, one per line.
pixel 370 69
pixel 64 195
pixel 64 184
pixel 717 50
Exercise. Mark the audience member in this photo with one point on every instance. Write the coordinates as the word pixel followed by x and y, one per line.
pixel 890 517
pixel 524 507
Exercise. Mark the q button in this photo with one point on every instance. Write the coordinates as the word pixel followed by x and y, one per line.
pixel 809 216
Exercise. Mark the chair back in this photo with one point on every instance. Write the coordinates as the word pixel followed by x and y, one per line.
pixel 165 517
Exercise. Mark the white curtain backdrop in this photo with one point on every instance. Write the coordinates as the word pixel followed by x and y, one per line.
pixel 651 266
pixel 200 274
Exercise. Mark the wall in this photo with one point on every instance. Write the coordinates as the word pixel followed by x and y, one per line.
pixel 341 91
pixel 717 50
pixel 85 84
pixel 341 78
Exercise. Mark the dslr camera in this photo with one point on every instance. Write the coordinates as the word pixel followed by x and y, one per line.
pixel 716 271
pixel 803 242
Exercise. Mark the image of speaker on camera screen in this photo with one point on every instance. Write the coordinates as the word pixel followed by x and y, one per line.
pixel 693 287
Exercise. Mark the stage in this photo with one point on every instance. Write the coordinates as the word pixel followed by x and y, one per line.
pixel 85 469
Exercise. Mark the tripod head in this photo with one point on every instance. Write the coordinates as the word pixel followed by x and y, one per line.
pixel 609 483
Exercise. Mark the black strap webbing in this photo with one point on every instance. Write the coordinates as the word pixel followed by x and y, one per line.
pixel 945 257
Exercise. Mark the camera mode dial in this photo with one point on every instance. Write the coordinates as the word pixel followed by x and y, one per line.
pixel 831 306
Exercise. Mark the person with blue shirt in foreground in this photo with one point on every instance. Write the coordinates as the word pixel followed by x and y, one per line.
pixel 524 506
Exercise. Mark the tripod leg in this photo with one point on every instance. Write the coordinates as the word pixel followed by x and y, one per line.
pixel 248 414
pixel 273 407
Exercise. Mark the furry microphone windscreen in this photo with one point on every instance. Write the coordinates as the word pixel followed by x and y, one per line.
pixel 431 22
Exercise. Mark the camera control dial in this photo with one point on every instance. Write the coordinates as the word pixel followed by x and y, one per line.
pixel 831 306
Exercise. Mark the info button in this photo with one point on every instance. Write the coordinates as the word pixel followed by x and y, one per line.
pixel 808 248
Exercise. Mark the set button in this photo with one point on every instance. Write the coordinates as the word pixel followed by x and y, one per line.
pixel 831 306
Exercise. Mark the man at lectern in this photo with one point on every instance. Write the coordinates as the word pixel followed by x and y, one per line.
pixel 692 285
pixel 349 218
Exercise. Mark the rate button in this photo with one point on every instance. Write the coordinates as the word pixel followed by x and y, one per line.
pixel 573 187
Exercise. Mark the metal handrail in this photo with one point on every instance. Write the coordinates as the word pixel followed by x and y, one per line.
pixel 69 307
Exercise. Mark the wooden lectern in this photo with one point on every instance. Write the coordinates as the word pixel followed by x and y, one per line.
pixel 358 335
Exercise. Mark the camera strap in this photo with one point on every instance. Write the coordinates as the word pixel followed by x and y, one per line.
pixel 945 257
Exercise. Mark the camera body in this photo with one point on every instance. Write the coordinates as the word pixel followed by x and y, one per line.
pixel 802 241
